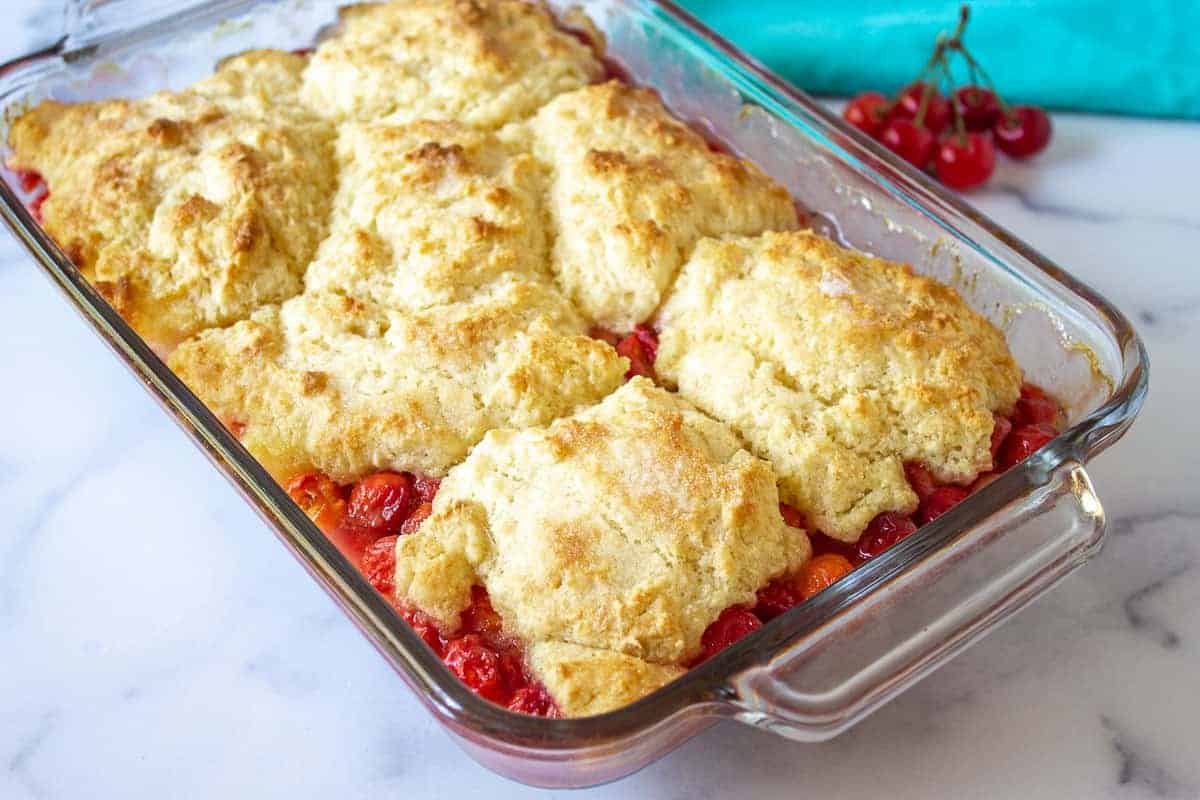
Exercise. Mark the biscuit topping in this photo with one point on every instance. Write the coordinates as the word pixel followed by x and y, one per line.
pixel 837 389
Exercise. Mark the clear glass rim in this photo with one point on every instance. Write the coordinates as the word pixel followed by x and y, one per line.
pixel 707 687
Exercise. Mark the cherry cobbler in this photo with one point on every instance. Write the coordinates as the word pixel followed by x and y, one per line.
pixel 573 386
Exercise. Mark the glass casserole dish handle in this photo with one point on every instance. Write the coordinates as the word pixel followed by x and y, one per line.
pixel 827 663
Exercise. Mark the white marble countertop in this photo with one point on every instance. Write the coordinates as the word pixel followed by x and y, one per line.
pixel 156 640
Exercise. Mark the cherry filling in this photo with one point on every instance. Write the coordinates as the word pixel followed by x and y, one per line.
pixel 640 346
pixel 1034 422
pixel 31 182
pixel 365 520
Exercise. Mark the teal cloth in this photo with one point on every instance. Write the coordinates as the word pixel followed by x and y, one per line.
pixel 1140 57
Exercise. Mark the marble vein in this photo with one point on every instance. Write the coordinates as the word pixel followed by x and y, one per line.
pixel 1139 769
pixel 1142 620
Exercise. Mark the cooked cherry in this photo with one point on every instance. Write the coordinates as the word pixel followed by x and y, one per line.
pixel 426 488
pixel 417 516
pixel 1024 441
pixel 533 699
pixel 884 531
pixel 380 501
pixel 978 106
pixel 649 339
pixel 318 497
pixel 939 502
pixel 1035 406
pixel 35 207
pixel 821 572
pixel 964 162
pixel 775 598
pixel 480 617
pixel 734 623
pixel 477 665
pixel 920 479
pixel 827 544
pixel 512 667
pixel 29 180
pixel 641 361
pixel 866 112
pixel 379 564
pixel 426 628
pixel 792 516
pixel 913 144
pixel 1023 132
pixel 1000 430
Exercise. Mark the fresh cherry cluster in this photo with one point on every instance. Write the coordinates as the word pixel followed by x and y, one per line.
pixel 954 137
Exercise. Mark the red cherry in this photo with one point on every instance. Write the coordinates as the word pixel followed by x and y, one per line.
pixel 938 111
pixel 649 339
pixel 480 617
pixel 379 564
pixel 734 623
pixel 913 144
pixel 822 544
pixel 512 668
pixel 942 500
pixel 380 501
pixel 792 516
pixel 819 573
pixel 1000 429
pixel 775 598
pixel 29 180
pixel 319 497
pixel 1024 132
pixel 1023 442
pixel 426 488
pixel 35 207
pixel 965 163
pixel 1035 406
pixel 978 106
pixel 920 479
pixel 883 532
pixel 477 665
pixel 425 627
pixel 534 700
pixel 866 112
pixel 641 358
pixel 418 515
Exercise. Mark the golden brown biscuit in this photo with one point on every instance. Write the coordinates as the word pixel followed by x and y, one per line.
pixel 626 528
pixel 349 387
pixel 184 212
pixel 427 213
pixel 263 83
pixel 633 189
pixel 838 368
pixel 584 681
pixel 480 62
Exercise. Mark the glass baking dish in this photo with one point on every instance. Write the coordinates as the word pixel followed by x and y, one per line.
pixel 826 664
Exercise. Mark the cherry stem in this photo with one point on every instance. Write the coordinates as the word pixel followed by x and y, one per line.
pixel 960 124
